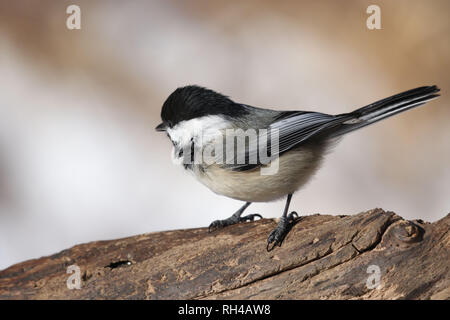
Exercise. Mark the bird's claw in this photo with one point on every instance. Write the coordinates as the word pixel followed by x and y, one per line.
pixel 279 233
pixel 218 224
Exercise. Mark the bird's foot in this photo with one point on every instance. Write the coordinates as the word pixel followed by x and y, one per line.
pixel 280 232
pixel 235 218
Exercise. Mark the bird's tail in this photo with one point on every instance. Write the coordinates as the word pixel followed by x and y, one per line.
pixel 385 108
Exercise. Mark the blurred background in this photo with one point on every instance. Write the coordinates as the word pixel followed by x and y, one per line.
pixel 79 157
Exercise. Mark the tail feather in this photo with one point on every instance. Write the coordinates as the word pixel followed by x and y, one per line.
pixel 386 108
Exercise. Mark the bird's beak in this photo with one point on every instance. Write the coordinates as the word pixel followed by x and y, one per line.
pixel 161 127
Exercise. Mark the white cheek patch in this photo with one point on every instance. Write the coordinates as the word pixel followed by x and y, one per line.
pixel 203 129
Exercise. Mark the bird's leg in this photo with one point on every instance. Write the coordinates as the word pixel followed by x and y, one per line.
pixel 235 218
pixel 284 226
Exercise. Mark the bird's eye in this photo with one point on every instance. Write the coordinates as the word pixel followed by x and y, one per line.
pixel 180 153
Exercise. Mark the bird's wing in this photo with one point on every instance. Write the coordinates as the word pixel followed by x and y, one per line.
pixel 298 127
pixel 284 133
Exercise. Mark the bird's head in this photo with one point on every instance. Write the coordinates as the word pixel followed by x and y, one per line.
pixel 192 113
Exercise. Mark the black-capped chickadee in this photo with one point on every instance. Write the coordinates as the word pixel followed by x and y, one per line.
pixel 196 118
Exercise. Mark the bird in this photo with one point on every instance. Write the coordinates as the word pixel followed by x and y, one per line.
pixel 198 120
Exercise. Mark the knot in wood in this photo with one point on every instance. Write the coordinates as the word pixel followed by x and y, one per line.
pixel 406 232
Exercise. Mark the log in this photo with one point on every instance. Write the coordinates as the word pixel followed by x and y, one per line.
pixel 371 255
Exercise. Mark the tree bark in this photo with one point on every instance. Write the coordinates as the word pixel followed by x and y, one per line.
pixel 371 255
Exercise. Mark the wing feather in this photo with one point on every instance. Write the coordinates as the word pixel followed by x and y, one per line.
pixel 291 130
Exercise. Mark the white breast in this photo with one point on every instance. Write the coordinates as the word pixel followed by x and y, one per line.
pixel 295 170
